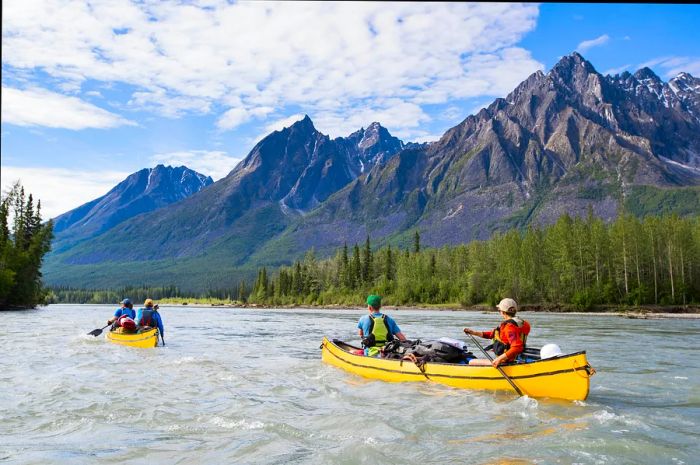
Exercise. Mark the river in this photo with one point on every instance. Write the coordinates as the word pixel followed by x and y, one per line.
pixel 248 386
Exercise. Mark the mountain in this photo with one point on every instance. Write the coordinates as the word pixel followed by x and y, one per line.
pixel 561 142
pixel 285 175
pixel 144 191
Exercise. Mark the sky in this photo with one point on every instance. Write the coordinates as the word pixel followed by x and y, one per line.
pixel 93 91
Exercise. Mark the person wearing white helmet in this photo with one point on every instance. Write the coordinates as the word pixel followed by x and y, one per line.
pixel 508 338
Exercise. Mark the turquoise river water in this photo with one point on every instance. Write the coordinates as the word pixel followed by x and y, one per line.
pixel 248 386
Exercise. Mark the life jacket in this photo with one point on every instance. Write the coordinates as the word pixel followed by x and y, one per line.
pixel 379 332
pixel 127 323
pixel 499 345
pixel 147 318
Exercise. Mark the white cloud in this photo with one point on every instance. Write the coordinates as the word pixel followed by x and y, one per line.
pixel 39 107
pixel 328 59
pixel 237 116
pixel 597 42
pixel 216 164
pixel 425 137
pixel 673 65
pixel 61 190
pixel 614 71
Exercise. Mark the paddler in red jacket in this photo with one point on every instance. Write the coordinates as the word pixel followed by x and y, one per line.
pixel 508 338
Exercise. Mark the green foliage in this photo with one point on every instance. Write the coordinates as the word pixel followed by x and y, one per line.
pixel 22 249
pixel 579 261
pixel 135 293
pixel 647 200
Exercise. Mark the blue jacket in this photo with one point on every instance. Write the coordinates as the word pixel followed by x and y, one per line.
pixel 156 317
pixel 130 312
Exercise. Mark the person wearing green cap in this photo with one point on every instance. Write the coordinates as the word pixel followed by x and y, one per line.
pixel 376 328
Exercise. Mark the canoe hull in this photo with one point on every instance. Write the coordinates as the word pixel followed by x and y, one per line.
pixel 564 377
pixel 144 340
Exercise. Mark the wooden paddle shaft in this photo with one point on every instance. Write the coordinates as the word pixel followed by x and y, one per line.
pixel 498 368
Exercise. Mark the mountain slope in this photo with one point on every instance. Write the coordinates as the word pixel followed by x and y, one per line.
pixel 141 192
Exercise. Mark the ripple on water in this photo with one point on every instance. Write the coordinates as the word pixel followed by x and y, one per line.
pixel 252 390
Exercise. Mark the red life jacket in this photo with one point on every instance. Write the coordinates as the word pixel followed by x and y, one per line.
pixel 521 328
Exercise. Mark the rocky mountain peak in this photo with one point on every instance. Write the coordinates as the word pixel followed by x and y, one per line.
pixel 304 125
pixel 646 73
pixel 685 82
pixel 572 65
pixel 143 191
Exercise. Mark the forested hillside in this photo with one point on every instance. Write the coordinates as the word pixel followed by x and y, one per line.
pixel 579 261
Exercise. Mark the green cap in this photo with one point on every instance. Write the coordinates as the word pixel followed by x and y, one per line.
pixel 374 301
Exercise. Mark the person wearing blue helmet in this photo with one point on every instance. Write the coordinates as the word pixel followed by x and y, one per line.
pixel 126 309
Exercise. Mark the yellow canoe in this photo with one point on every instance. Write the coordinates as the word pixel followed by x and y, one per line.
pixel 145 339
pixel 563 377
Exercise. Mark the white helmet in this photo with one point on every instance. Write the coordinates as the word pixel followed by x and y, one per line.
pixel 508 306
pixel 549 351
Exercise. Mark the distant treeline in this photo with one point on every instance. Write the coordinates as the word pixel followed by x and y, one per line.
pixel 24 241
pixel 579 261
pixel 137 294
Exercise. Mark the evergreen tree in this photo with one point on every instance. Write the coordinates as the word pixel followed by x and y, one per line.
pixel 367 268
pixel 344 268
pixel 22 249
pixel 356 268
pixel 389 265
pixel 416 242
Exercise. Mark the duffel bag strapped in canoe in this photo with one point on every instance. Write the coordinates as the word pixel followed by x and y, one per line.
pixel 429 351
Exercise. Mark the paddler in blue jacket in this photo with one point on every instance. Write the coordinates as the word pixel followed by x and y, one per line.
pixel 148 317
pixel 126 309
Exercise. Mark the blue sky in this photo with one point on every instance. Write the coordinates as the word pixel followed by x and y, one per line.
pixel 93 92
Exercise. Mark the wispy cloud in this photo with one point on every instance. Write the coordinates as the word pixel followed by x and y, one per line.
pixel 237 60
pixel 216 164
pixel 597 42
pixel 61 190
pixel 618 70
pixel 671 66
pixel 40 107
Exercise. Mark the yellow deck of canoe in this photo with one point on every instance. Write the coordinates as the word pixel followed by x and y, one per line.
pixel 563 377
pixel 145 339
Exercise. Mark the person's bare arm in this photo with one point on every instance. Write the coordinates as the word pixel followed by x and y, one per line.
pixel 401 336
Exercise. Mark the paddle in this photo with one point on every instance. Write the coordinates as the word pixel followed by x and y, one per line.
pixel 97 332
pixel 155 309
pixel 498 368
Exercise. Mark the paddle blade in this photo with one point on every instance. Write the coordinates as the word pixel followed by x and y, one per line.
pixel 97 332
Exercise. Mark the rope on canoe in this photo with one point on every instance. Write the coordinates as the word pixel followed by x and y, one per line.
pixel 419 363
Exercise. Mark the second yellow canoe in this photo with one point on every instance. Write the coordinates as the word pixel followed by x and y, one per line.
pixel 145 339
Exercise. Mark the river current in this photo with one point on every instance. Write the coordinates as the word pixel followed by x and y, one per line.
pixel 248 386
